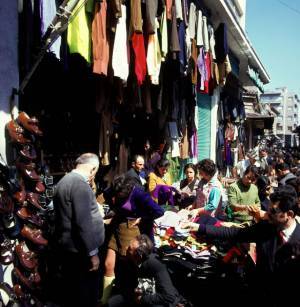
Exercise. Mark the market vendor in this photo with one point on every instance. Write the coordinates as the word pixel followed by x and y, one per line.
pixel 210 191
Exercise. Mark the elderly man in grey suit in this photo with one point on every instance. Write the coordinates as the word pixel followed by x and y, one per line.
pixel 79 232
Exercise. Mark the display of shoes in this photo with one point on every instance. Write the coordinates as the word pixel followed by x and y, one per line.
pixel 31 282
pixel 39 187
pixel 27 152
pixel 6 252
pixel 27 170
pixel 33 199
pixel 27 258
pixel 16 133
pixel 29 123
pixel 29 217
pixel 34 235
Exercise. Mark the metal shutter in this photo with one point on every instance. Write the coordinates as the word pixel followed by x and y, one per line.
pixel 204 129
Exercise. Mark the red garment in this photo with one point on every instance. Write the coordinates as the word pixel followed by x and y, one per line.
pixel 140 67
pixel 208 78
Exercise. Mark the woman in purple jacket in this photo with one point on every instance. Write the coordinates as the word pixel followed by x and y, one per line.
pixel 135 212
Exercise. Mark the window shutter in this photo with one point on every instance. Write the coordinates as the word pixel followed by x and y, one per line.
pixel 204 131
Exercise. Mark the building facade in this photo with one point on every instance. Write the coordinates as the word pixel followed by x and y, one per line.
pixel 287 104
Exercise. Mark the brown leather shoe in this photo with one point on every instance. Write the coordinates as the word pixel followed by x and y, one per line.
pixel 26 257
pixel 28 216
pixel 6 203
pixel 30 124
pixel 34 235
pixel 6 252
pixel 31 282
pixel 20 196
pixel 28 152
pixel 39 187
pixel 28 170
pixel 33 199
pixel 15 133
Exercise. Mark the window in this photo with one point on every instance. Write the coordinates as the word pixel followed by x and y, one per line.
pixel 290 109
pixel 290 128
pixel 290 118
pixel 279 109
pixel 278 127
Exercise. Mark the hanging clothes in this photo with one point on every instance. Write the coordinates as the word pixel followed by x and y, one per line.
pixel 164 34
pixel 212 42
pixel 174 40
pixel 205 34
pixel 192 20
pixel 154 56
pixel 150 20
pixel 202 69
pixel 135 17
pixel 120 57
pixel 221 46
pixel 178 6
pixel 48 11
pixel 99 39
pixel 79 31
pixel 199 29
pixel 140 64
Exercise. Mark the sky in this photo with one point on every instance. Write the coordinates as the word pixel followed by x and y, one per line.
pixel 273 27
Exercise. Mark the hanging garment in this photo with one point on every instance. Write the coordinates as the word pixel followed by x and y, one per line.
pixel 182 52
pixel 212 41
pixel 228 153
pixel 205 34
pixel 79 32
pixel 140 65
pixel 178 6
pixel 164 34
pixel 192 20
pixel 193 62
pixel 185 10
pixel 202 68
pixel 48 11
pixel 116 6
pixel 100 43
pixel 199 29
pixel 150 20
pixel 174 40
pixel 229 132
pixel 221 46
pixel 154 56
pixel 169 5
pixel 120 57
pixel 135 17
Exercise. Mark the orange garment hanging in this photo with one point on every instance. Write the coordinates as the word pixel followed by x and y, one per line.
pixel 99 38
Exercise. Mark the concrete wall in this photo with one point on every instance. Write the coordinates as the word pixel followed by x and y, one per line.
pixel 9 72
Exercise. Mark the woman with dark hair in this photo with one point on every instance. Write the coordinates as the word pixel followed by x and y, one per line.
pixel 135 212
pixel 189 185
pixel 209 194
pixel 160 177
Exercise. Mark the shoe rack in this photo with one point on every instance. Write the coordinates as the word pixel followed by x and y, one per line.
pixel 26 211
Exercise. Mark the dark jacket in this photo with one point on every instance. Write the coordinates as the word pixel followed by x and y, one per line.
pixel 273 258
pixel 132 173
pixel 287 178
pixel 166 294
pixel 79 226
